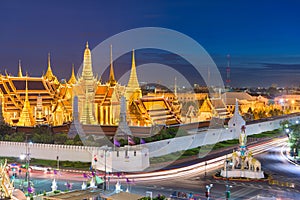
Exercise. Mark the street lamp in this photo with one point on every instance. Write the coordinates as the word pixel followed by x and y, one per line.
pixel 27 157
pixel 207 193
pixel 105 149
pixel 227 192
pixel 287 130
pixel 205 169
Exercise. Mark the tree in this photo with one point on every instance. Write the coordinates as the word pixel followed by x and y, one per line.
pixel 17 137
pixel 294 140
pixel 5 129
pixel 60 138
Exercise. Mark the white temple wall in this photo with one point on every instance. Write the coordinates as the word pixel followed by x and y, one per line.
pixel 141 160
pixel 210 136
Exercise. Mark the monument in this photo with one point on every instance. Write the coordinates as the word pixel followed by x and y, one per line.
pixel 243 164
pixel 123 128
pixel 6 185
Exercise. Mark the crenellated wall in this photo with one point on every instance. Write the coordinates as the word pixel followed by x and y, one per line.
pixel 125 159
pixel 122 159
pixel 47 151
pixel 210 136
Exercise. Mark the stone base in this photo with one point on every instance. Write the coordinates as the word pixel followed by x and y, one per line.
pixel 238 173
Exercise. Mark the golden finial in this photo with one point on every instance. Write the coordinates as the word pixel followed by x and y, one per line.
pixel 26 91
pixel 112 80
pixel 133 59
pixel 49 63
pixel 87 44
pixel 20 70
pixel 72 79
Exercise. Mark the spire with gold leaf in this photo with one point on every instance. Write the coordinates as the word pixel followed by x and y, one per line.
pixel 26 118
pixel 133 90
pixel 20 70
pixel 88 84
pixel 49 75
pixel 72 79
pixel 112 81
pixel 87 71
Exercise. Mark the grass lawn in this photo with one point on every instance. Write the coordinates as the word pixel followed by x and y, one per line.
pixel 224 144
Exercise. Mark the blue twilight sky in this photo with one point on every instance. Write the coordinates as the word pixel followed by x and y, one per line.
pixel 262 37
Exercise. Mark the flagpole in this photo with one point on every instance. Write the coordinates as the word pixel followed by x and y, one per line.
pixel 127 145
pixel 114 143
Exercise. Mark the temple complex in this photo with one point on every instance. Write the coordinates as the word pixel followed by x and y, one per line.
pixel 31 101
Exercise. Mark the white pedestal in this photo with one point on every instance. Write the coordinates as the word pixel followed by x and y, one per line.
pixel 238 173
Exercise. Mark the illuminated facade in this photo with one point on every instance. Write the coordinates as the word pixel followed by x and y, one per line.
pixel 289 103
pixel 30 101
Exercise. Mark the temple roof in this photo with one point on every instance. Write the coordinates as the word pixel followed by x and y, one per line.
pixel 112 81
pixel 72 79
pixel 230 97
pixel 49 75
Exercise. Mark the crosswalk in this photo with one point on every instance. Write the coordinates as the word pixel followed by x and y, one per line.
pixel 256 186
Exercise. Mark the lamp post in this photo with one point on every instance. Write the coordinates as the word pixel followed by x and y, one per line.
pixel 227 192
pixel 205 169
pixel 27 157
pixel 105 149
pixel 207 194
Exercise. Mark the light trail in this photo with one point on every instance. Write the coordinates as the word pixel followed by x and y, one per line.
pixel 200 167
pixel 283 148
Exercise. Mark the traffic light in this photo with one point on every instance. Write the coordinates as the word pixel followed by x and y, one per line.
pixel 227 194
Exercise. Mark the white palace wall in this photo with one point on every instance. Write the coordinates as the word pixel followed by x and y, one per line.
pixel 143 152
pixel 211 136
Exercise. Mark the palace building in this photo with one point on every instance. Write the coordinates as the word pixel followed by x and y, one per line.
pixel 30 101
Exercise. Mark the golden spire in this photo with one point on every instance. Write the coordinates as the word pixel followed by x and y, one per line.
pixel 133 90
pixel 20 70
pixel 72 80
pixel 49 73
pixel 87 71
pixel 133 80
pixel 175 87
pixel 26 90
pixel 26 118
pixel 112 80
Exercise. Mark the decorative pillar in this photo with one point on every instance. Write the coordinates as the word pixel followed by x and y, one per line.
pixel 106 115
pixel 110 114
pixel 96 113
pixel 101 115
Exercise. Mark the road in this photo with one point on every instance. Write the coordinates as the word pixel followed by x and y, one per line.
pixel 191 179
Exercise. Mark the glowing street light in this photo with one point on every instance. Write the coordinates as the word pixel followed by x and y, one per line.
pixel 207 193
pixel 287 130
pixel 26 157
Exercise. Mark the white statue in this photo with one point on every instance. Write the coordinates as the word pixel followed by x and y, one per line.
pixel 118 187
pixel 83 186
pixel 54 185
pixel 92 183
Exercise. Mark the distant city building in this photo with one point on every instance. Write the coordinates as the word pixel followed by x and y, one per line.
pixel 288 103
pixel 246 101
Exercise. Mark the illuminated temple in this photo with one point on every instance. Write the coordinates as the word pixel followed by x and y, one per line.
pixel 29 101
